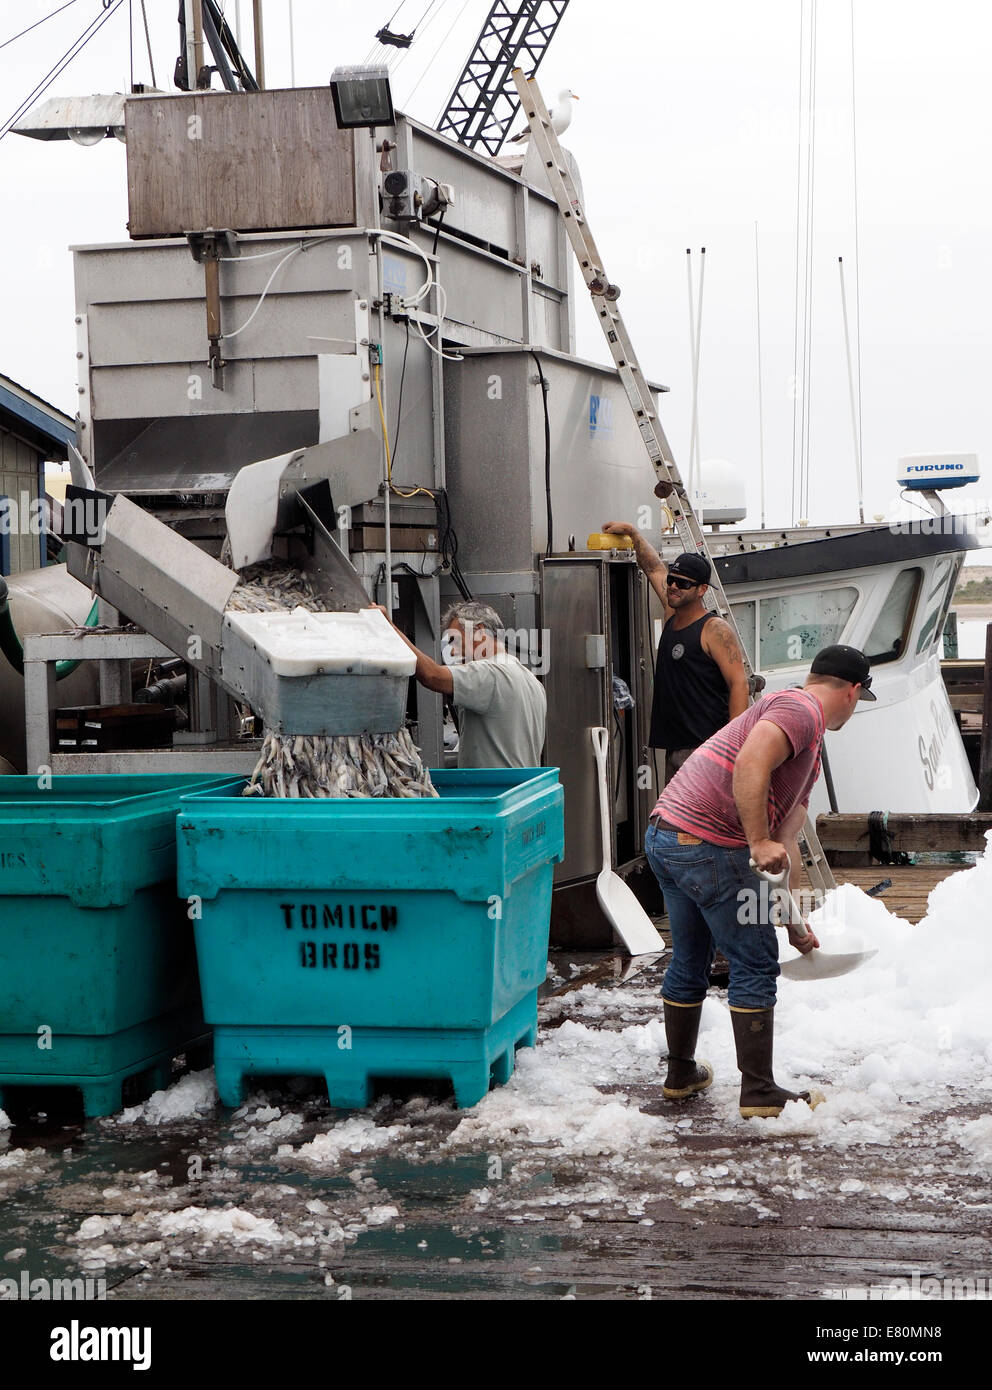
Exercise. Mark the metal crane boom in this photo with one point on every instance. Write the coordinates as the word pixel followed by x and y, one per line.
pixel 484 101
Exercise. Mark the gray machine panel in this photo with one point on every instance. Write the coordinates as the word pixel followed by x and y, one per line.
pixel 573 606
pixel 494 455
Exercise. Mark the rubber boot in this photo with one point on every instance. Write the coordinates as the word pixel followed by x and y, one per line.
pixel 754 1031
pixel 685 1076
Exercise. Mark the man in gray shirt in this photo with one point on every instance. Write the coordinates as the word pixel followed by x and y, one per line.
pixel 501 705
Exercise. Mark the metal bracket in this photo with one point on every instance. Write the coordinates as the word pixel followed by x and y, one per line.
pixel 208 248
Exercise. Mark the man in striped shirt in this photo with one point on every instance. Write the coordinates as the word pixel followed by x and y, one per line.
pixel 742 796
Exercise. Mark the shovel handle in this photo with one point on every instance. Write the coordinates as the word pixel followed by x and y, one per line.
pixel 778 879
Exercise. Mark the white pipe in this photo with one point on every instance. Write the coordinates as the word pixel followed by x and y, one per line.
pixel 850 387
pixel 191 69
pixel 292 49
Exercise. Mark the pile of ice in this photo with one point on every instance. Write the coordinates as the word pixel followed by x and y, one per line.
pixel 913 1023
pixel 910 1032
pixel 358 1135
pixel 192 1097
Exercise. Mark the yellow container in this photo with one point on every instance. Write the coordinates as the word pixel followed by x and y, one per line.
pixel 605 540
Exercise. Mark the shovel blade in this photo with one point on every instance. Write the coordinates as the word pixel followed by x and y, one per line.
pixel 631 924
pixel 825 965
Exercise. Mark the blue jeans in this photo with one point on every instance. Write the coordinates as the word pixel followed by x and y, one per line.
pixel 707 890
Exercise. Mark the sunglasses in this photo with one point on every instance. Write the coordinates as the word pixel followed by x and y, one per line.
pixel 681 583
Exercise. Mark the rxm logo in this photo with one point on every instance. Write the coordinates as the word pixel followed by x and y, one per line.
pixel 601 416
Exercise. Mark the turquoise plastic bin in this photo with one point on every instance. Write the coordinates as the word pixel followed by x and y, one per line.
pixel 97 962
pixel 374 937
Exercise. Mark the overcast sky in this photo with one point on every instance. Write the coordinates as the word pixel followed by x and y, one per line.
pixel 686 133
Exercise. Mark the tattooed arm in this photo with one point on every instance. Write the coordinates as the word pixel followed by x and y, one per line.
pixel 720 643
pixel 648 558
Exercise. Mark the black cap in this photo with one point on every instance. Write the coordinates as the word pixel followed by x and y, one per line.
pixel 847 664
pixel 691 566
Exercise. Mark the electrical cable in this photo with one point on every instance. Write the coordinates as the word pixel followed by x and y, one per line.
pixel 110 8
pixel 437 229
pixel 399 398
pixel 425 22
pixel 400 492
pixel 433 57
pixel 37 23
pixel 448 542
pixel 413 301
pixel 304 246
pixel 547 452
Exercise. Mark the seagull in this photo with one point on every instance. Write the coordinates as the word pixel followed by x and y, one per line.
pixel 560 113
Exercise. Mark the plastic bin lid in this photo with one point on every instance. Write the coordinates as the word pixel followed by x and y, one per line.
pixel 301 643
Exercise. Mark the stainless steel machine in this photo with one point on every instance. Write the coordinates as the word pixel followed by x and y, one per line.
pixel 412 358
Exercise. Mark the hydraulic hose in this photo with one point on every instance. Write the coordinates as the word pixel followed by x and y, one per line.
pixel 10 643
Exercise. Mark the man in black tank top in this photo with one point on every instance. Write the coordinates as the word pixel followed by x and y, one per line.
pixel 700 683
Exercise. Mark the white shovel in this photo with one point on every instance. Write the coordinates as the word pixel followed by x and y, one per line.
pixel 816 964
pixel 631 923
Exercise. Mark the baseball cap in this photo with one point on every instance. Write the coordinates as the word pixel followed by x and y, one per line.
pixel 847 664
pixel 691 566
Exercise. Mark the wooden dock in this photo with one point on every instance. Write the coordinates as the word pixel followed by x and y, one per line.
pixel 968 681
pixel 856 849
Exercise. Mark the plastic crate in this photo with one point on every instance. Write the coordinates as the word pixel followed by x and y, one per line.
pixel 97 963
pixel 374 937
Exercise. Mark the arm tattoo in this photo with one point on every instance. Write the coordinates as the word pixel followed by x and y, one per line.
pixel 723 634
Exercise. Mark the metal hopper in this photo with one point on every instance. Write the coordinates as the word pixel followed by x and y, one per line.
pixel 343 671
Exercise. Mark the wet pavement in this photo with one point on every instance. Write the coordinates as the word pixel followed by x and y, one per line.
pixel 576 1180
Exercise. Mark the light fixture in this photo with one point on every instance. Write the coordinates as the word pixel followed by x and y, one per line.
pixel 85 120
pixel 87 135
pixel 362 97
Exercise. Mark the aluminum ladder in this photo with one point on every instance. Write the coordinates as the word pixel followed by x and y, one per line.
pixel 670 486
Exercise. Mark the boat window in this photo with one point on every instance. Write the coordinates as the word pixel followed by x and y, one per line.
pixel 936 592
pixel 890 634
pixel 794 627
pixel 744 618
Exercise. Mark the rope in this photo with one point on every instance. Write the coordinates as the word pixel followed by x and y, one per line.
pixel 36 23
pixel 110 7
pixel 879 842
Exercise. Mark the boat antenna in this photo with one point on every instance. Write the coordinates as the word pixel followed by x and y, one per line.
pixel 857 257
pixel 761 412
pixel 695 331
pixel 850 387
pixel 802 349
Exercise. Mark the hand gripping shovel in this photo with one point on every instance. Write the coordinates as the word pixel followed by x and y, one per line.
pixel 630 922
pixel 816 964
